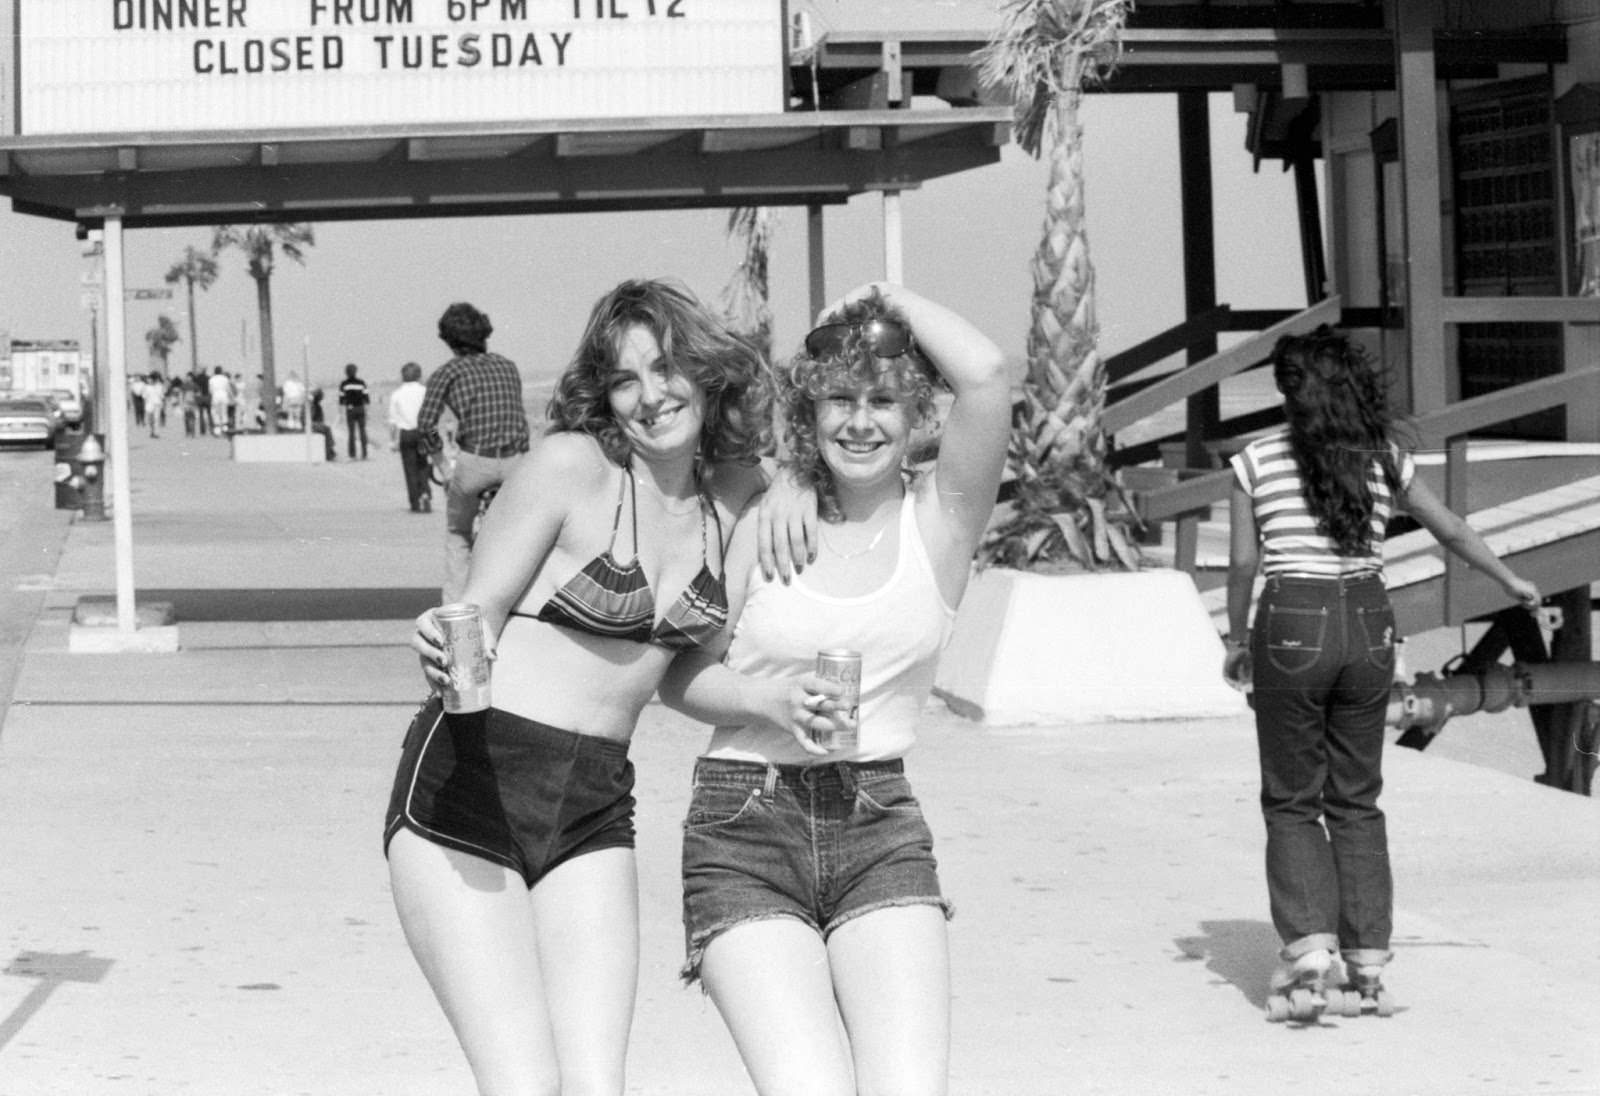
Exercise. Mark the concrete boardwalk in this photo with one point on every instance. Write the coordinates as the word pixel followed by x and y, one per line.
pixel 193 899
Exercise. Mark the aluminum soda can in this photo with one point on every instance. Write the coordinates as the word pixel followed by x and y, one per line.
pixel 845 668
pixel 465 656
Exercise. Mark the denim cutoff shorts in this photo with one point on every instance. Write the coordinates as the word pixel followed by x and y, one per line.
pixel 819 843
pixel 521 794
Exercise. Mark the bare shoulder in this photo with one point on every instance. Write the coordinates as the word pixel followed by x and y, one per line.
pixel 564 464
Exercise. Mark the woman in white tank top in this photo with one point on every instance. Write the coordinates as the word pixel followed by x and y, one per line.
pixel 810 890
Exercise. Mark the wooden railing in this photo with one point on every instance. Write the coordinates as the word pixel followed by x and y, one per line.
pixel 1189 501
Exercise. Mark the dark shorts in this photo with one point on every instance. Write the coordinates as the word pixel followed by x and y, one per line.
pixel 818 843
pixel 521 794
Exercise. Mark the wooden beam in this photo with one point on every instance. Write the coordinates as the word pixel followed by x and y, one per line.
pixel 1119 416
pixel 1423 194
pixel 1520 309
pixel 1204 408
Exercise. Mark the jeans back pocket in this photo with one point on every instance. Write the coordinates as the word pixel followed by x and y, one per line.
pixel 1378 635
pixel 1295 636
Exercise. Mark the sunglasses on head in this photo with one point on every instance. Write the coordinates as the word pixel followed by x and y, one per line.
pixel 884 338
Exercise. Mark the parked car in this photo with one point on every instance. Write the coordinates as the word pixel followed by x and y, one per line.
pixel 71 405
pixel 27 420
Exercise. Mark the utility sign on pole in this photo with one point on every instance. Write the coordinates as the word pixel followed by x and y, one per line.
pixel 147 294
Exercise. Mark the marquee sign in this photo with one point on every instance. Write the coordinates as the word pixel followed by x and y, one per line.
pixel 140 66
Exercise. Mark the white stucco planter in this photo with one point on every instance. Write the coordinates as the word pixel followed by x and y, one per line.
pixel 295 448
pixel 1084 648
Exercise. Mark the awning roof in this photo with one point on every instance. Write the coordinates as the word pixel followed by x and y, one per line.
pixel 554 167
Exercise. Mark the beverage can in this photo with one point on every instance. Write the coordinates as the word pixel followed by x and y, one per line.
pixel 845 668
pixel 466 657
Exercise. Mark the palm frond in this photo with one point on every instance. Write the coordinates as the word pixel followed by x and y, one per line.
pixel 1045 50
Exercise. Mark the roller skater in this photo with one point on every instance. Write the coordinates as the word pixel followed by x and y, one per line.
pixel 1310 507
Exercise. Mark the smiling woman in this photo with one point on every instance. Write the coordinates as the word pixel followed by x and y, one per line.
pixel 511 828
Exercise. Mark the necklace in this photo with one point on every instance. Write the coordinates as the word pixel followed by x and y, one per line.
pixel 871 544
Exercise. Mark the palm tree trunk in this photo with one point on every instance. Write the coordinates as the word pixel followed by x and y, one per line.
pixel 1067 383
pixel 269 376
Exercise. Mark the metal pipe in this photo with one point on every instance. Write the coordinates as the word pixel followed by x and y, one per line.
pixel 1428 702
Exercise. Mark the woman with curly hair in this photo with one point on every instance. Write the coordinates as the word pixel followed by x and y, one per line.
pixel 510 832
pixel 1310 507
pixel 811 896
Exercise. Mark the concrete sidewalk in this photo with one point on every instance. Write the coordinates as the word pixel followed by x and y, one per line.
pixel 193 897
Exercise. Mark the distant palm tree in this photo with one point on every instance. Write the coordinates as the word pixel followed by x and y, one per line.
pixel 746 297
pixel 261 244
pixel 196 268
pixel 1067 505
pixel 161 339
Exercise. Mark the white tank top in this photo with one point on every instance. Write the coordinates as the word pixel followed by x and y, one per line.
pixel 899 628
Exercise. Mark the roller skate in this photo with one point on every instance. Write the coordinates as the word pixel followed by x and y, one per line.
pixel 1299 989
pixel 1364 992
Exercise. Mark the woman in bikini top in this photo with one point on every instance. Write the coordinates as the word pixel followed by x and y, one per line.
pixel 614 600
pixel 664 407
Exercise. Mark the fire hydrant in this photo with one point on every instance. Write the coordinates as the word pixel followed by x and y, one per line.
pixel 93 459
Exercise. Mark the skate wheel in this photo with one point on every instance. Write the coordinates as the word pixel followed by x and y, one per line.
pixel 1302 1005
pixel 1350 1003
pixel 1335 1000
pixel 1385 1003
pixel 1277 1008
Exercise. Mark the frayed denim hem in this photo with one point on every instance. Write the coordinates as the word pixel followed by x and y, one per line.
pixel 690 973
pixel 948 907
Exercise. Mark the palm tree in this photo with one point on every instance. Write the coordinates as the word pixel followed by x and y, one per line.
pixel 261 244
pixel 746 297
pixel 1067 506
pixel 161 339
pixel 196 268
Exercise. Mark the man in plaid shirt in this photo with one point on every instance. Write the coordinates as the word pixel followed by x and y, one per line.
pixel 484 392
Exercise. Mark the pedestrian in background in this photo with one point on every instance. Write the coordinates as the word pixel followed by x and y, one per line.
pixel 319 426
pixel 404 404
pixel 204 424
pixel 1310 507
pixel 353 398
pixel 484 392
pixel 220 387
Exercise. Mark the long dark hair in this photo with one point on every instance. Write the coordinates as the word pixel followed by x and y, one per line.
pixel 1337 406
pixel 727 368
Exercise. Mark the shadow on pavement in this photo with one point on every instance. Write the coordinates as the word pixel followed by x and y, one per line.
pixel 258 604
pixel 1240 953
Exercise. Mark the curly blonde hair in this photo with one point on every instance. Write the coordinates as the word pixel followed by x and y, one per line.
pixel 806 380
pixel 726 367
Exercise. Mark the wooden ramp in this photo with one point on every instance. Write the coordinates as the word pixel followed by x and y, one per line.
pixel 1549 535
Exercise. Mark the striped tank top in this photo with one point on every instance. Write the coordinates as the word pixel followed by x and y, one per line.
pixel 1290 542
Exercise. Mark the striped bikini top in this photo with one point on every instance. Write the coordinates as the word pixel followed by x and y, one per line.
pixel 615 601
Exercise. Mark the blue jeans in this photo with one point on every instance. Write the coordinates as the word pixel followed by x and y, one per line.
pixel 817 843
pixel 1323 661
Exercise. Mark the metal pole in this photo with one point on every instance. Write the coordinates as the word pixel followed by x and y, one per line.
pixel 815 262
pixel 117 420
pixel 893 249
